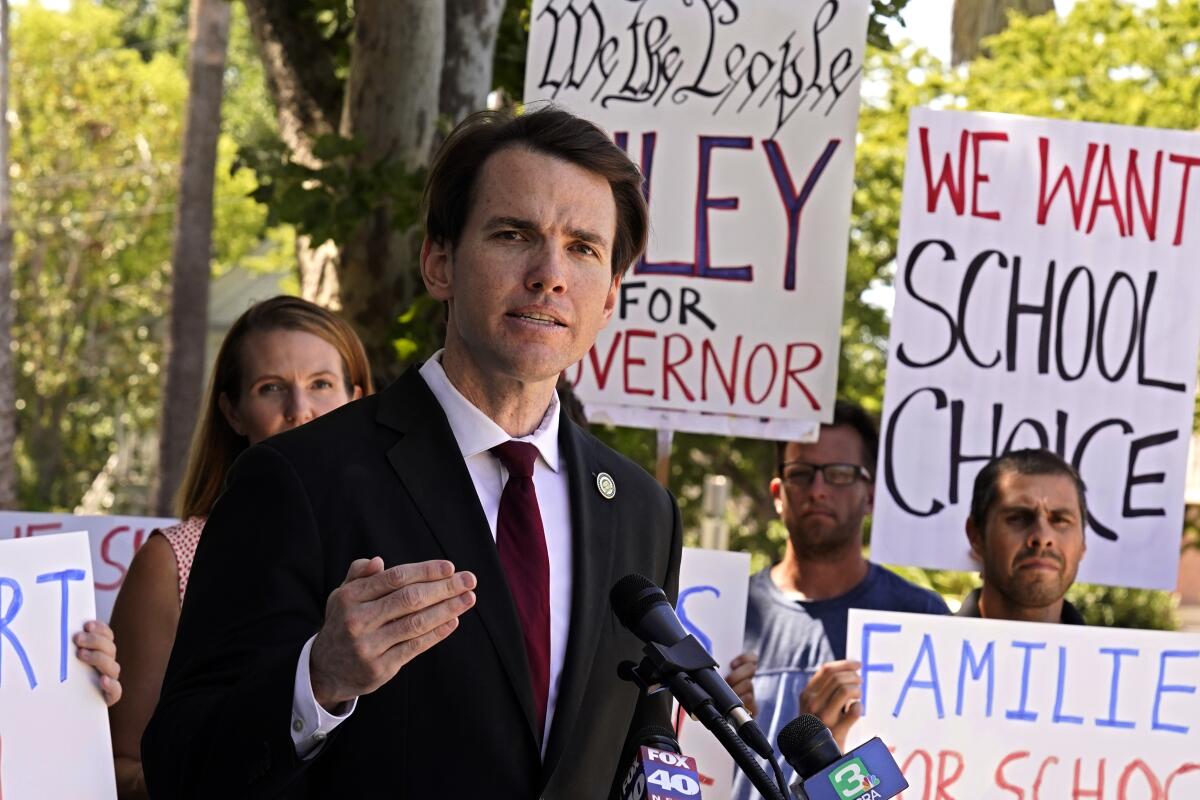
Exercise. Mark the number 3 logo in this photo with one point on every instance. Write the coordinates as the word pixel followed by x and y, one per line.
pixel 850 778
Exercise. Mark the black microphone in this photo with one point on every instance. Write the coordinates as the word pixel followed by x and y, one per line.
pixel 643 608
pixel 658 769
pixel 868 772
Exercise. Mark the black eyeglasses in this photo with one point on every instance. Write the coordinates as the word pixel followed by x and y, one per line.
pixel 801 474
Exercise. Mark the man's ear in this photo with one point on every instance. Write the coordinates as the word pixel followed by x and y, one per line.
pixel 975 537
pixel 229 411
pixel 437 269
pixel 777 493
pixel 610 301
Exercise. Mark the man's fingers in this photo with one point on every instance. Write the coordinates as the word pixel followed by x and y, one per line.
pixel 404 652
pixel 416 597
pixel 742 659
pixel 853 710
pixel 362 567
pixel 826 674
pixel 820 696
pixel 745 692
pixel 386 581
pixel 742 672
pixel 829 674
pixel 832 668
pixel 417 625
pixel 844 696
pixel 841 686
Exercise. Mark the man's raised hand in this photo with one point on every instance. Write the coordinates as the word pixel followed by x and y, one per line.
pixel 741 679
pixel 378 620
pixel 834 694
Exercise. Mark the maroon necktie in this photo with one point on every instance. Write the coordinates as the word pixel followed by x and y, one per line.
pixel 521 541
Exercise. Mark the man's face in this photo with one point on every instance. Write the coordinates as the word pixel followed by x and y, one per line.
pixel 822 518
pixel 529 283
pixel 1033 540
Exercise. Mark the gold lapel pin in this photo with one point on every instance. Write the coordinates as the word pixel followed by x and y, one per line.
pixel 606 486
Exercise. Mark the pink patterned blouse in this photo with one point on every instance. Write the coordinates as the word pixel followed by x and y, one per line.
pixel 183 538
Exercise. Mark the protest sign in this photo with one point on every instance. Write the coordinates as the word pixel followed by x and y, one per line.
pixel 713 587
pixel 113 540
pixel 1046 296
pixel 1000 710
pixel 54 738
pixel 743 118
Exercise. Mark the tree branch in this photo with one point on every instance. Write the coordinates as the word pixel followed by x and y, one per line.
pixel 301 74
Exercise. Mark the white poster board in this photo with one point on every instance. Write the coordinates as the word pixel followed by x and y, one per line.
pixel 989 709
pixel 743 118
pixel 113 542
pixel 713 589
pixel 54 739
pixel 1046 296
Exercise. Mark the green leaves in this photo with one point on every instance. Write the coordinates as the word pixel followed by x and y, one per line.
pixel 95 153
pixel 330 201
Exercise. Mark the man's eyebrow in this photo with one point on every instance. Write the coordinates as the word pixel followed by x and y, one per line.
pixel 1016 505
pixel 1031 506
pixel 510 222
pixel 582 234
pixel 591 237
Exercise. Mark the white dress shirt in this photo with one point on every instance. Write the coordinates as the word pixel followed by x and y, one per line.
pixel 476 433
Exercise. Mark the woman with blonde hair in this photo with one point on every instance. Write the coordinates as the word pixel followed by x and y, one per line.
pixel 284 362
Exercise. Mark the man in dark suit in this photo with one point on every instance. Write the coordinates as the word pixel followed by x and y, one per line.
pixel 408 597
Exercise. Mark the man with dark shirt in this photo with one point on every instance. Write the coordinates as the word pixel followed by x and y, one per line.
pixel 1028 510
pixel 796 618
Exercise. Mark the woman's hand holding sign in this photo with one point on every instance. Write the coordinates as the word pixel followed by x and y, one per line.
pixel 98 649
pixel 378 620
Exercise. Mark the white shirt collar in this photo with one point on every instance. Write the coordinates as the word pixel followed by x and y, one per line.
pixel 476 432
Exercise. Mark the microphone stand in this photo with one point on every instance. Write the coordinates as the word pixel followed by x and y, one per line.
pixel 669 667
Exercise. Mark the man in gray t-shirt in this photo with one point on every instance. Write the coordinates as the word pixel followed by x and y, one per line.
pixel 795 660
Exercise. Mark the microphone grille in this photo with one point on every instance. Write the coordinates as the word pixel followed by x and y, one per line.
pixel 798 735
pixel 632 596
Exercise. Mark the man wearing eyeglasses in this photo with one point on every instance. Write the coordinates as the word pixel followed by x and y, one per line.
pixel 796 617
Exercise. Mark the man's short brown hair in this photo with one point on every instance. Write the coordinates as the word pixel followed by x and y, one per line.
pixel 1023 462
pixel 854 417
pixel 450 189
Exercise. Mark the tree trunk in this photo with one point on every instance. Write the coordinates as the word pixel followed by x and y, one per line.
pixel 300 75
pixel 471 27
pixel 975 20
pixel 192 246
pixel 403 53
pixel 308 98
pixel 8 409
pixel 395 119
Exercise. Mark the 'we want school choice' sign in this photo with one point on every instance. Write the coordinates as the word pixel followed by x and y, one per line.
pixel 1046 296
pixel 994 710
pixel 54 738
pixel 743 118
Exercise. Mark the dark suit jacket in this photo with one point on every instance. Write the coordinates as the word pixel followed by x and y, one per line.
pixel 384 476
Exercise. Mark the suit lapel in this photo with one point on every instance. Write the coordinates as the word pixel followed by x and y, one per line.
pixel 592 540
pixel 427 461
